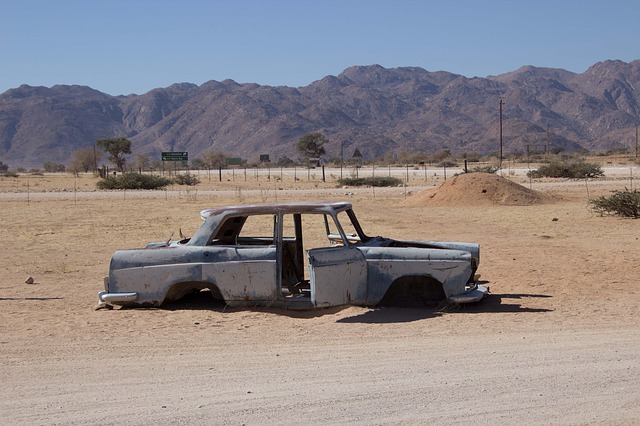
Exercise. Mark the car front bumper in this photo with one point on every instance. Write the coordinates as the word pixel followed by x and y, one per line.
pixel 474 294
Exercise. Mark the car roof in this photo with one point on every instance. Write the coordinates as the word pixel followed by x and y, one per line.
pixel 267 208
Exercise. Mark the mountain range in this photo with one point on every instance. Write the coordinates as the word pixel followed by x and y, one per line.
pixel 373 109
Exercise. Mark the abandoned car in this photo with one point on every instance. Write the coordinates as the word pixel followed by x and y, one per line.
pixel 294 256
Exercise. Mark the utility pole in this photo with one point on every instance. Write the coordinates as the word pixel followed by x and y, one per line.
pixel 500 159
pixel 341 157
pixel 636 141
pixel 546 151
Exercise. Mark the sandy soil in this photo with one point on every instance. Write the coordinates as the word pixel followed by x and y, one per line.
pixel 556 342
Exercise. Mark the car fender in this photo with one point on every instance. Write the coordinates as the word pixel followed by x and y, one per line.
pixel 385 265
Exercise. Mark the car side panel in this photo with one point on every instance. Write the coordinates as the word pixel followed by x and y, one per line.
pixel 240 273
pixel 338 276
pixel 386 264
pixel 151 272
pixel 151 283
pixel 246 274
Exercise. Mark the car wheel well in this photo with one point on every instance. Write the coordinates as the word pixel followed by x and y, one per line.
pixel 414 291
pixel 178 290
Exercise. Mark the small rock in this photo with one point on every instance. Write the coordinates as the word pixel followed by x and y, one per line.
pixel 30 280
pixel 555 219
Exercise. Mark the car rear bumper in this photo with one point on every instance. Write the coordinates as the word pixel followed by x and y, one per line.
pixel 475 294
pixel 106 297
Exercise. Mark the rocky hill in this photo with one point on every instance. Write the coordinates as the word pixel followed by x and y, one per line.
pixel 374 109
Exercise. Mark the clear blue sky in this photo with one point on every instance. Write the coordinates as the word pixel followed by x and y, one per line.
pixel 133 46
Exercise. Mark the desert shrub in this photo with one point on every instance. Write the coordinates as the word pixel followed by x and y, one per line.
pixel 187 179
pixel 484 169
pixel 621 203
pixel 51 167
pixel 133 181
pixel 371 181
pixel 572 169
pixel 9 173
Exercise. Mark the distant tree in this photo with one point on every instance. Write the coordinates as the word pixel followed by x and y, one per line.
pixel 198 164
pixel 74 167
pixel 142 162
pixel 311 145
pixel 405 157
pixel 84 159
pixel 285 162
pixel 51 167
pixel 441 155
pixel 3 167
pixel 471 157
pixel 213 159
pixel 335 160
pixel 117 148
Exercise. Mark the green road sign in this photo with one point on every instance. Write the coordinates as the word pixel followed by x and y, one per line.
pixel 175 156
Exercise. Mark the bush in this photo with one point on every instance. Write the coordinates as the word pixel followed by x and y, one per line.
pixel 371 181
pixel 133 181
pixel 621 203
pixel 447 163
pixel 51 167
pixel 484 169
pixel 572 169
pixel 187 179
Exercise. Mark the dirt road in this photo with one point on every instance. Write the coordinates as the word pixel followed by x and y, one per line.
pixel 557 341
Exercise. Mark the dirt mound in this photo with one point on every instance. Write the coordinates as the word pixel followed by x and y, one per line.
pixel 478 189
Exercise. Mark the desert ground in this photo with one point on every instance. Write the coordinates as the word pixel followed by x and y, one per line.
pixel 556 342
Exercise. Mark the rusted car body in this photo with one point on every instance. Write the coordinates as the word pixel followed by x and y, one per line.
pixel 294 256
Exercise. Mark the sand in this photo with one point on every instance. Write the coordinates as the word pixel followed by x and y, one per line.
pixel 556 342
pixel 475 189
